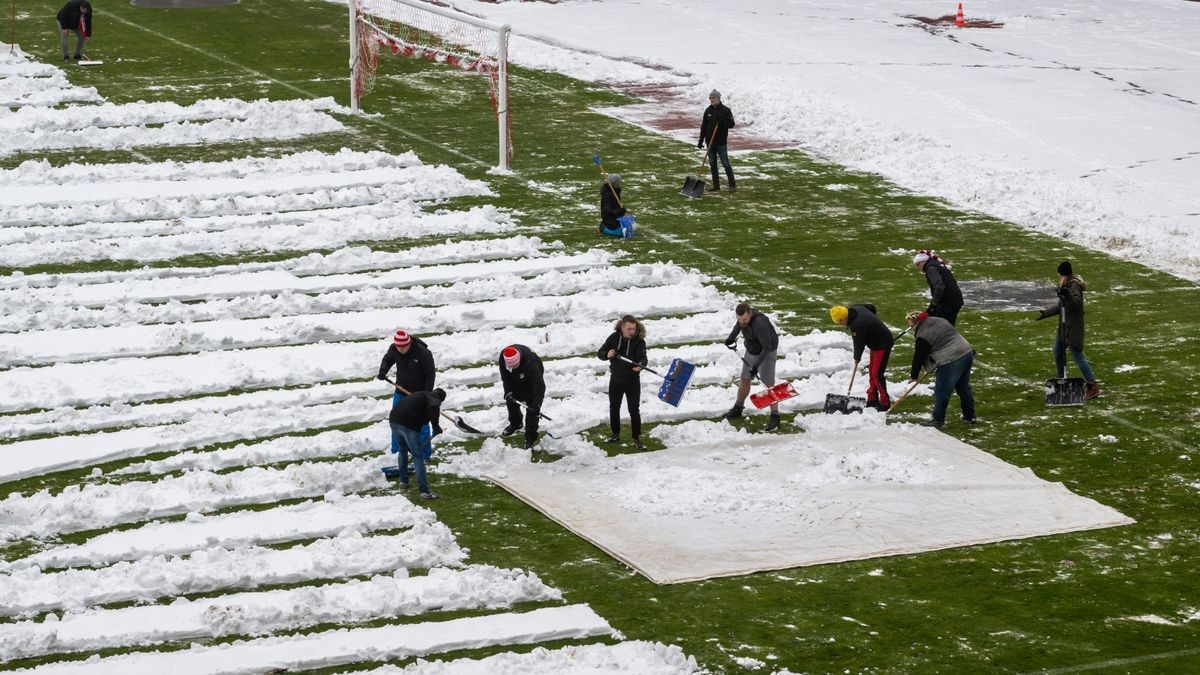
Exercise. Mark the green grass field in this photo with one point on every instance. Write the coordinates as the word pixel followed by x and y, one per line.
pixel 792 247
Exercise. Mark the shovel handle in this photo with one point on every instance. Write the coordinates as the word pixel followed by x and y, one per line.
pixel 907 391
pixel 852 374
pixel 406 392
pixel 645 368
pixel 708 148
pixel 525 405
pixel 596 159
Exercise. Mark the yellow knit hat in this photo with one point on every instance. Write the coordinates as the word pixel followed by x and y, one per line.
pixel 838 313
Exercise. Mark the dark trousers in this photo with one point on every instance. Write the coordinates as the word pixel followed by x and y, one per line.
pixel 631 391
pixel 531 413
pixel 948 313
pixel 721 151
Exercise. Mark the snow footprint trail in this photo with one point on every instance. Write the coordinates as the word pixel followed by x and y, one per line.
pixel 342 647
pixel 263 612
pixel 349 554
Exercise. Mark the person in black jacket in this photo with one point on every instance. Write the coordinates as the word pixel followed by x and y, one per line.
pixel 717 121
pixel 762 343
pixel 945 299
pixel 410 415
pixel 414 372
pixel 1069 310
pixel 610 205
pixel 627 340
pixel 75 17
pixel 523 378
pixel 868 331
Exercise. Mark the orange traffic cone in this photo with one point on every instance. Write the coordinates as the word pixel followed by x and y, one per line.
pixel 958 20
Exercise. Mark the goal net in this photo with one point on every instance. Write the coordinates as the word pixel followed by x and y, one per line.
pixel 420 30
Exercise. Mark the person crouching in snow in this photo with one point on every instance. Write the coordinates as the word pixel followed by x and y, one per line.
pixel 762 343
pixel 868 331
pixel 610 206
pixel 409 416
pixel 628 340
pixel 414 372
pixel 1069 310
pixel 942 351
pixel 523 378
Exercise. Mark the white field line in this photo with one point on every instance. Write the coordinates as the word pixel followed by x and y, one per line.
pixel 423 546
pixel 634 657
pixel 339 647
pixel 141 113
pixel 367 296
pixel 261 125
pixel 264 612
pixel 598 305
pixel 308 520
pixel 102 506
pixel 520 257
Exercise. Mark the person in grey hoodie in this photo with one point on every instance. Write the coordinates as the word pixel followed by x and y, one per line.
pixel 1069 310
pixel 762 345
pixel 942 351
pixel 628 340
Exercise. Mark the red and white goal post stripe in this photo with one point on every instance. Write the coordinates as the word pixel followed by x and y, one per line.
pixel 418 29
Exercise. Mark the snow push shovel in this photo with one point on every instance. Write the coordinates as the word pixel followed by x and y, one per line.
pixel 773 394
pixel 627 222
pixel 1066 391
pixel 458 420
pixel 837 403
pixel 674 382
pixel 693 186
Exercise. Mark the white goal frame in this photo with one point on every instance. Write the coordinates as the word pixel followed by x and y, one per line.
pixel 483 63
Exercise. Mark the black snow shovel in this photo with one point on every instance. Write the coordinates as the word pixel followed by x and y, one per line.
pixel 693 186
pixel 1065 391
pixel 458 420
pixel 837 403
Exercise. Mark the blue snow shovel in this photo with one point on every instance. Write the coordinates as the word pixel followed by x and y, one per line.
pixel 674 382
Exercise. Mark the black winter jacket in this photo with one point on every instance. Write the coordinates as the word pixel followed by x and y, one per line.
pixel 720 116
pixel 1069 310
pixel 526 382
pixel 943 289
pixel 868 330
pixel 414 370
pixel 68 17
pixel 416 410
pixel 759 334
pixel 610 208
pixel 633 348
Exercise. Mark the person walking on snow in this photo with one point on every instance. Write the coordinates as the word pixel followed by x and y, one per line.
pixel 610 206
pixel 868 331
pixel 414 372
pixel 762 343
pixel 523 378
pixel 628 340
pixel 75 17
pixel 945 299
pixel 410 415
pixel 715 125
pixel 942 351
pixel 1069 310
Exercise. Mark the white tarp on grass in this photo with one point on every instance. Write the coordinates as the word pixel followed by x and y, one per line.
pixel 757 503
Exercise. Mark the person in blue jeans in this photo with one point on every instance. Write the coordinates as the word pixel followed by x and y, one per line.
pixel 942 351
pixel 714 130
pixel 414 372
pixel 1069 310
pixel 411 414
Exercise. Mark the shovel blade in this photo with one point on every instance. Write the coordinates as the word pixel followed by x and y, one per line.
pixel 463 426
pixel 1064 392
pixel 693 186
pixel 780 392
pixel 840 403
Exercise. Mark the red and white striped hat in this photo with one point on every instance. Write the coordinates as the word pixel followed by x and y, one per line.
pixel 512 357
pixel 402 339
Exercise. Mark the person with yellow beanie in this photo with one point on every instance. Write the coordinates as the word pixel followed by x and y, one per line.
pixel 868 332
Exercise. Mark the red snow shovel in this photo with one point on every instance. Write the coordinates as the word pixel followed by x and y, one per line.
pixel 780 392
pixel 693 186
pixel 836 403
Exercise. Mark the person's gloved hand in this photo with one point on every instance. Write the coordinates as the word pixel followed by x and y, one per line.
pixel 508 397
pixel 700 144
pixel 731 345
pixel 754 373
pixel 381 377
pixel 436 431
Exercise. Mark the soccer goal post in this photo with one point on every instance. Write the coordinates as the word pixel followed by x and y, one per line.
pixel 420 30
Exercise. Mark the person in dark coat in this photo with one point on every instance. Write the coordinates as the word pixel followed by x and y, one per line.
pixel 1069 310
pixel 627 340
pixel 942 351
pixel 610 206
pixel 75 17
pixel 762 344
pixel 524 380
pixel 945 298
pixel 715 125
pixel 410 415
pixel 414 372
pixel 869 332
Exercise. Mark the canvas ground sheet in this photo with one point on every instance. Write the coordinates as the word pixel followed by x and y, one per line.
pixel 777 501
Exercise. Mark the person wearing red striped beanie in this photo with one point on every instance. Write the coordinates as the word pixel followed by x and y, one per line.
pixel 523 379
pixel 414 372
